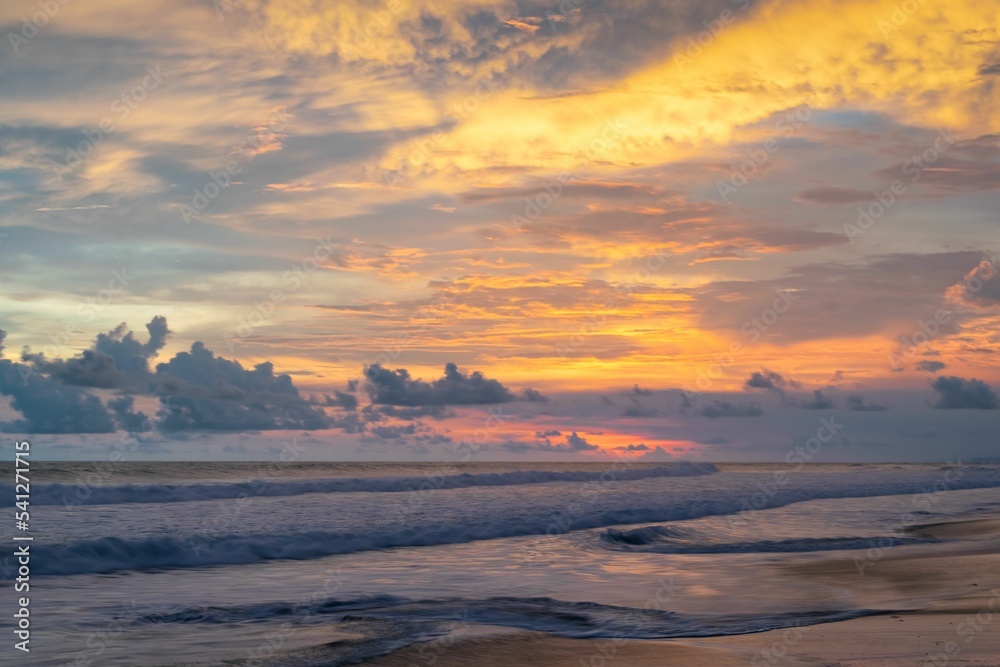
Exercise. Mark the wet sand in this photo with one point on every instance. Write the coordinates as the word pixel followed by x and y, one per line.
pixel 949 597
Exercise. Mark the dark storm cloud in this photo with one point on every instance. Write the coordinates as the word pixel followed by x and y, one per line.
pixel 958 393
pixel 3 336
pixel 719 409
pixel 390 387
pixel 930 366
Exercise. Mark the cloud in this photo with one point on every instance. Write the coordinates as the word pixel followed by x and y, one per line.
pixel 819 401
pixel 533 396
pixel 158 334
pixel 197 390
pixel 91 368
pixel 396 412
pixel 657 454
pixel 771 381
pixel 129 354
pixel 578 443
pixel 881 295
pixel 958 393
pixel 930 366
pixel 572 443
pixel 49 406
pixel 857 403
pixel 201 391
pixel 639 391
pixel 342 400
pixel 126 416
pixel 3 336
pixel 393 432
pixel 389 387
pixel 116 358
pixel 832 195
pixel 719 409
pixel 978 289
pixel 637 409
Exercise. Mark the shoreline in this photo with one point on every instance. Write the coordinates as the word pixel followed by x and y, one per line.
pixel 956 625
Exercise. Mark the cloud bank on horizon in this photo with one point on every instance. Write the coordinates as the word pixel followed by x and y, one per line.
pixel 753 213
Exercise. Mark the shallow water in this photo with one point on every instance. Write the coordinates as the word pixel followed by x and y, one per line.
pixel 329 578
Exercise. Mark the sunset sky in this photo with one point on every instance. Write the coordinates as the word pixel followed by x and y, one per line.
pixel 657 229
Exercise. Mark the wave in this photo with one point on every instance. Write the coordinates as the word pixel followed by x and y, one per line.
pixel 663 540
pixel 110 554
pixel 84 494
pixel 578 620
pixel 359 640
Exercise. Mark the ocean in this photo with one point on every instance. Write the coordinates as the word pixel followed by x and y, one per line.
pixel 325 564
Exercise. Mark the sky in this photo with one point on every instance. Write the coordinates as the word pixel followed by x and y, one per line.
pixel 491 230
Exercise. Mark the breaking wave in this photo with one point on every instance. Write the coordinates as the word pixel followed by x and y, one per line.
pixel 84 494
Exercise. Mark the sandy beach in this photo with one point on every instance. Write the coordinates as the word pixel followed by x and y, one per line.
pixel 956 623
